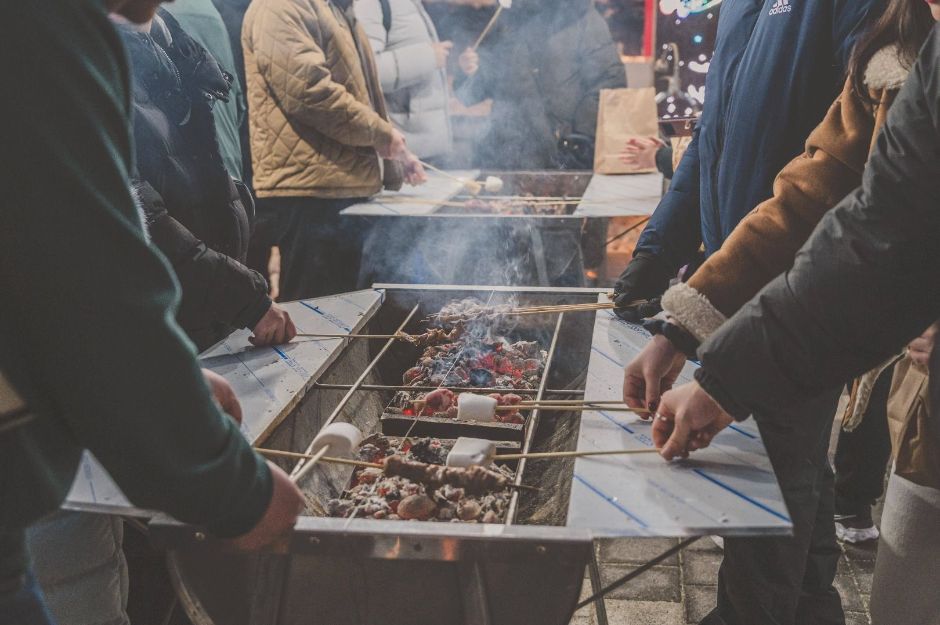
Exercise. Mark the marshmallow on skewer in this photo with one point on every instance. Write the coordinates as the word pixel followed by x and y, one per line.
pixel 342 438
pixel 473 407
pixel 468 452
pixel 493 184
pixel 506 4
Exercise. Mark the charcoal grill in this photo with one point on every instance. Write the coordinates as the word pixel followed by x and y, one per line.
pixel 528 569
pixel 360 571
pixel 430 241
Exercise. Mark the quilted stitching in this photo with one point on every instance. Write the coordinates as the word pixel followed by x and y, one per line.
pixel 309 104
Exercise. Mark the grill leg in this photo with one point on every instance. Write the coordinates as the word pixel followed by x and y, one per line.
pixel 475 606
pixel 594 570
pixel 538 249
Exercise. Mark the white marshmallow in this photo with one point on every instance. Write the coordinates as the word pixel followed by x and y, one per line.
pixel 472 407
pixel 493 184
pixel 506 4
pixel 468 452
pixel 343 439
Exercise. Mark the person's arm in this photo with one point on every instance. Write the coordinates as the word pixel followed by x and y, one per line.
pixel 674 232
pixel 289 58
pixel 402 66
pixel 87 305
pixel 765 242
pixel 216 285
pixel 865 283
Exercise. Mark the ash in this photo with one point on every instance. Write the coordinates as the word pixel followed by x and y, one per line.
pixel 375 495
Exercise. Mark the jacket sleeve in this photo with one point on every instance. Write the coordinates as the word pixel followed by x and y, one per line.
pixel 289 58
pixel 398 66
pixel 602 69
pixel 89 313
pixel 865 283
pixel 674 232
pixel 215 287
pixel 764 244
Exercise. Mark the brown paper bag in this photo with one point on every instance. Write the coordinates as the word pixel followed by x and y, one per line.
pixel 623 114
pixel 911 426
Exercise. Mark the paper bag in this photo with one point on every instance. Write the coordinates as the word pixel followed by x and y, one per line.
pixel 912 426
pixel 623 114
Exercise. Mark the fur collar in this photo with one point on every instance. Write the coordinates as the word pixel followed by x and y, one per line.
pixel 885 70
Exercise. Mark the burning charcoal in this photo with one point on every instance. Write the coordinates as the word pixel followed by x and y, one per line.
pixel 419 507
pixel 481 378
pixel 446 513
pixel 491 517
pixel 468 510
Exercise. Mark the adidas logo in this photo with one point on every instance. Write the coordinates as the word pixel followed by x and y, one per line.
pixel 780 7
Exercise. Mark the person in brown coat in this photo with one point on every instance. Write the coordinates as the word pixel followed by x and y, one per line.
pixel 765 243
pixel 320 140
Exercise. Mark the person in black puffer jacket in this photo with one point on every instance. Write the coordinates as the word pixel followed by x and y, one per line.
pixel 195 213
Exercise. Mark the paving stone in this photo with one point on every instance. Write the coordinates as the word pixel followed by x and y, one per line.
pixel 851 598
pixel 701 567
pixel 864 582
pixel 644 613
pixel 660 583
pixel 635 550
pixel 861 552
pixel 699 601
pixel 584 616
pixel 856 618
pixel 704 544
pixel 862 566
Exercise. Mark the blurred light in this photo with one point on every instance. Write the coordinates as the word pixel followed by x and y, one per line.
pixel 698 39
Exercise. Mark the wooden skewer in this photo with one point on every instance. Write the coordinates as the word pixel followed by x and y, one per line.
pixel 575 454
pixel 489 27
pixel 276 453
pixel 351 336
pixel 569 408
pixel 320 457
pixel 472 185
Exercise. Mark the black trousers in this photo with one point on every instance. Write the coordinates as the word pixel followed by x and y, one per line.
pixel 789 580
pixel 320 249
pixel 862 454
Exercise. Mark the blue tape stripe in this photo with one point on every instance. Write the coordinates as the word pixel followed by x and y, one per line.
pixel 742 432
pixel 295 366
pixel 608 357
pixel 331 318
pixel 615 422
pixel 611 501
pixel 735 491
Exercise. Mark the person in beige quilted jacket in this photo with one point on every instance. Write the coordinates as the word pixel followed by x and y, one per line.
pixel 320 140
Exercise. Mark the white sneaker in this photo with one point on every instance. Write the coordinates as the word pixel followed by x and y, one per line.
pixel 718 540
pixel 845 532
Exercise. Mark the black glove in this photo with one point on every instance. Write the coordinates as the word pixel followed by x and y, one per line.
pixel 645 279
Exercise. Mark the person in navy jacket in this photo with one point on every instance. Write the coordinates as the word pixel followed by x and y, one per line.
pixel 777 67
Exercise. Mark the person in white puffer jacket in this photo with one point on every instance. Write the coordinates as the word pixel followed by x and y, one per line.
pixel 411 62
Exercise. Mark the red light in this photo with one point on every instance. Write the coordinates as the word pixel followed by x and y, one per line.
pixel 408 412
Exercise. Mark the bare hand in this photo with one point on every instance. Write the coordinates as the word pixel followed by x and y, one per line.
pixel 275 328
pixel 284 508
pixel 224 395
pixel 441 52
pixel 921 348
pixel 688 419
pixel 414 170
pixel 641 153
pixel 396 148
pixel 651 374
pixel 469 62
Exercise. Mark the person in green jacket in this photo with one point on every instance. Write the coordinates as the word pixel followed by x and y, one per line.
pixel 202 21
pixel 90 354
